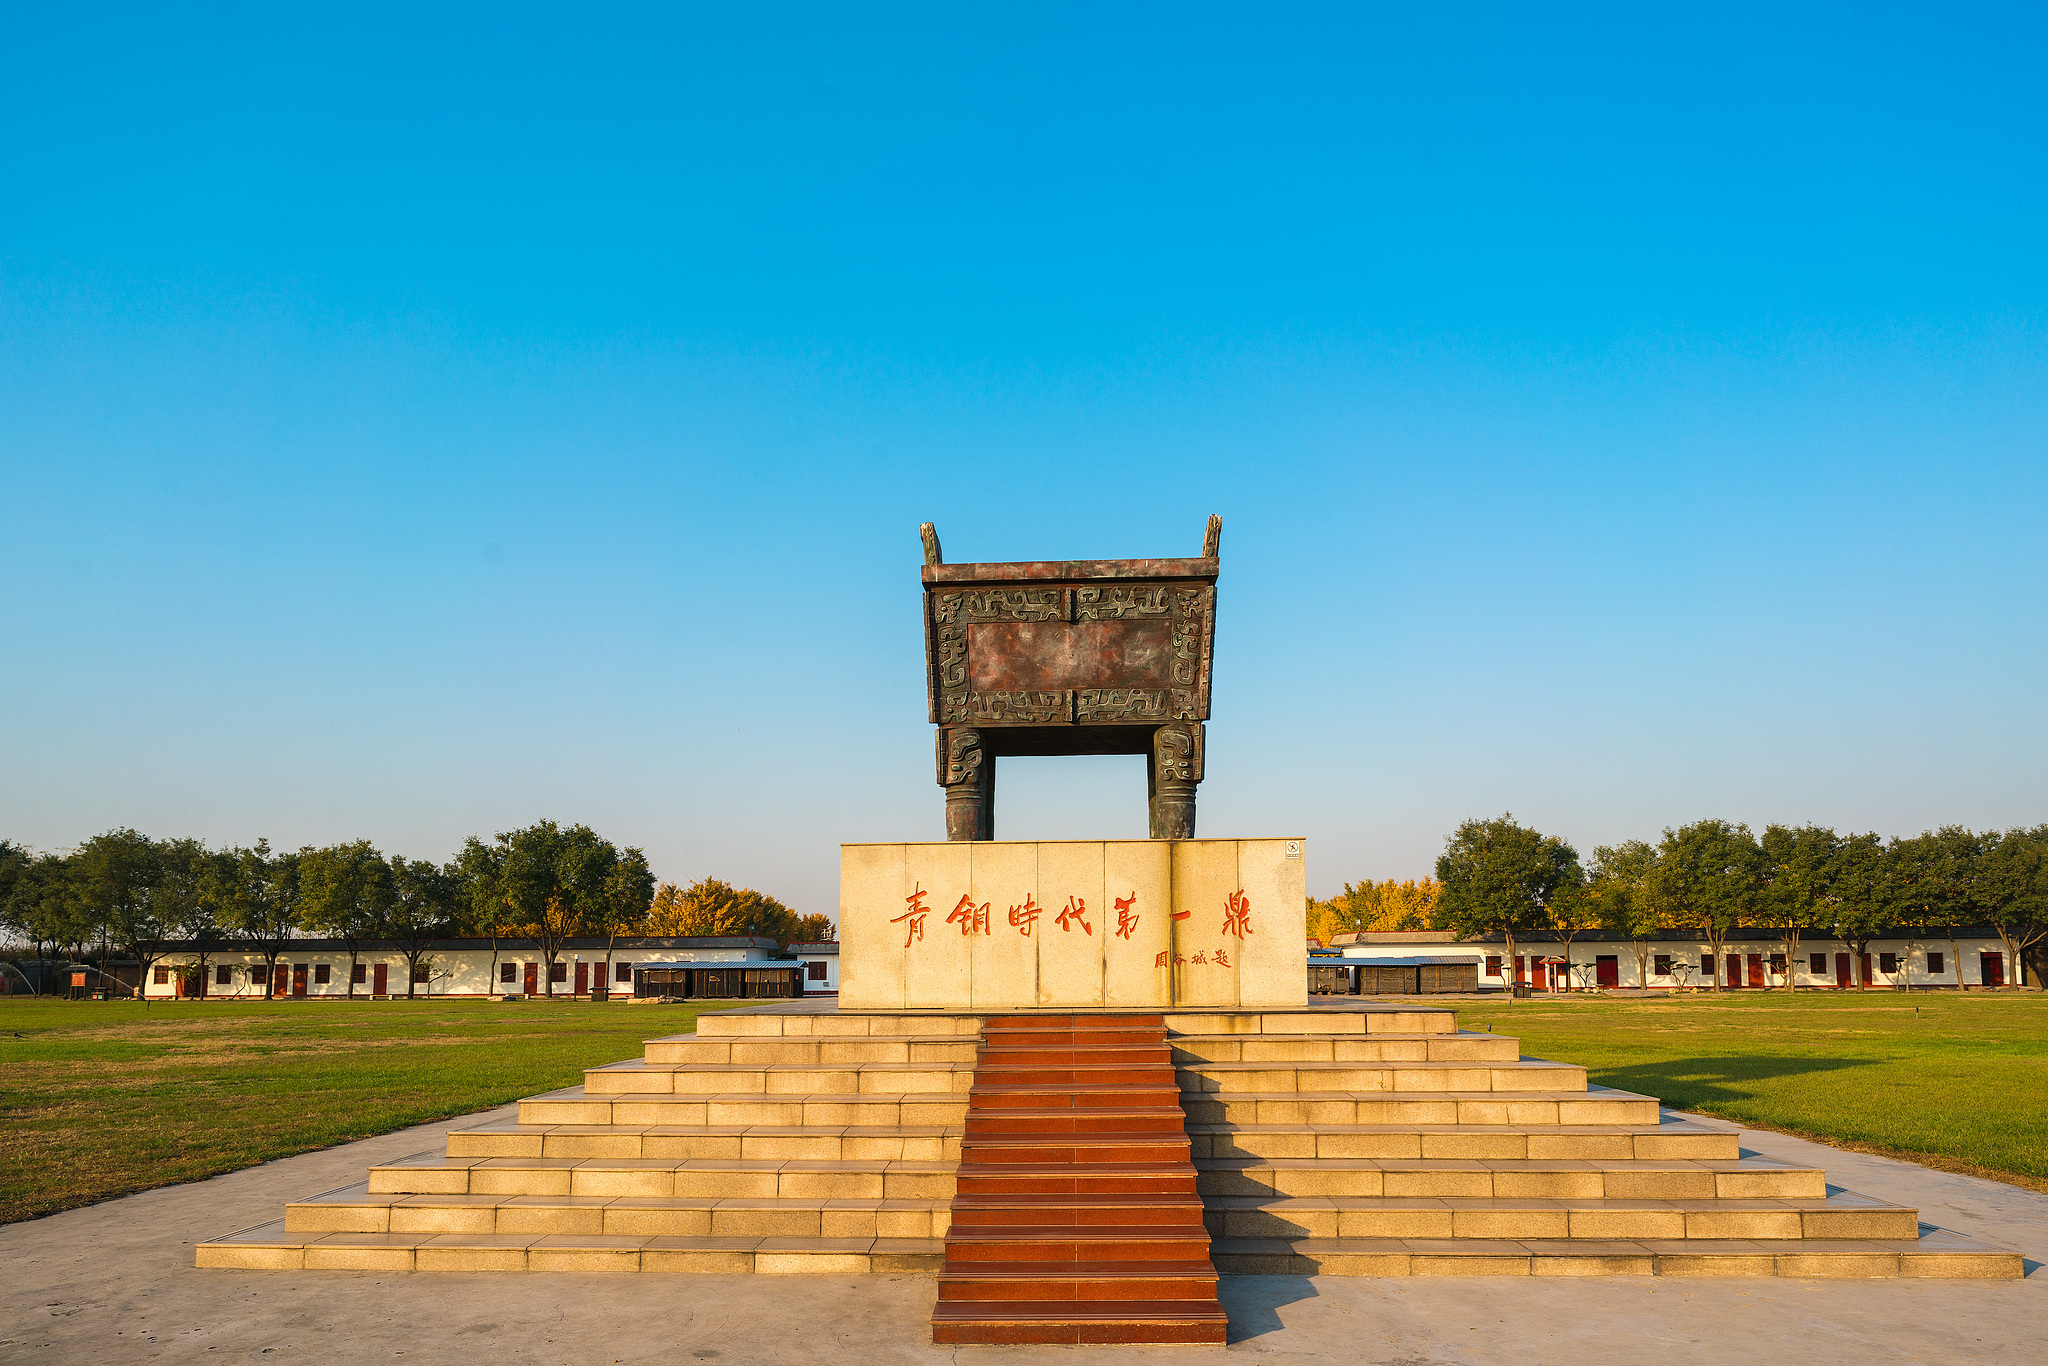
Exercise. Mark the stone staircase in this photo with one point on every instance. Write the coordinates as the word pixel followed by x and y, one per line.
pixel 1351 1139
pixel 1077 1217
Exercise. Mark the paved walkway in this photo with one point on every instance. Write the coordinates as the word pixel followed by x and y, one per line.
pixel 115 1283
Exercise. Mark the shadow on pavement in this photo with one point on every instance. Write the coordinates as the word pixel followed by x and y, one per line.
pixel 1253 1302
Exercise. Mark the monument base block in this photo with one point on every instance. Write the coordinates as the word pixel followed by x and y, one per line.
pixel 1001 925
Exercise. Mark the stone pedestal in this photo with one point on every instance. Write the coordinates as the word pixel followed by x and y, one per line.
pixel 1103 924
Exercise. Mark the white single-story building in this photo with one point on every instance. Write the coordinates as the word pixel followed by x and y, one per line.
pixel 450 967
pixel 1751 958
pixel 821 967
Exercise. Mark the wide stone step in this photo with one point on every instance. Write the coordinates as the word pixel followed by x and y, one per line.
pixel 1750 1178
pixel 1197 1048
pixel 826 1050
pixel 433 1174
pixel 1669 1139
pixel 268 1247
pixel 758 1142
pixel 872 1078
pixel 1369 1020
pixel 1071 1322
pixel 1595 1105
pixel 1839 1216
pixel 805 1025
pixel 1530 1075
pixel 354 1209
pixel 574 1105
pixel 1937 1254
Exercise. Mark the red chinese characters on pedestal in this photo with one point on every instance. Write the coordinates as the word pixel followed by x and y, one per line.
pixel 1237 914
pixel 915 915
pixel 1025 916
pixel 1076 908
pixel 1126 921
pixel 971 919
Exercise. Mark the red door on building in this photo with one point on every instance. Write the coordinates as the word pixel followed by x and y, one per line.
pixel 1607 970
pixel 1863 962
pixel 380 984
pixel 1521 972
pixel 1732 969
pixel 582 979
pixel 1756 970
pixel 533 979
pixel 1538 978
pixel 298 979
pixel 1992 969
pixel 1841 969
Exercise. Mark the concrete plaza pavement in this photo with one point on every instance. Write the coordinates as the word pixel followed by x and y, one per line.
pixel 114 1282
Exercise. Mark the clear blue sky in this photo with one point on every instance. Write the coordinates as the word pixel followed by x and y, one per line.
pixel 418 421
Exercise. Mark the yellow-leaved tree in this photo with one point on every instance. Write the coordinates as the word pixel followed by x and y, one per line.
pixel 713 907
pixel 1386 905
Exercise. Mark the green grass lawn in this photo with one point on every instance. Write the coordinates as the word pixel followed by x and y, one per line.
pixel 1960 1080
pixel 102 1098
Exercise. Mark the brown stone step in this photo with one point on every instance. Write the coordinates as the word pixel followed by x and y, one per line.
pixel 1068 1077
pixel 1150 1056
pixel 1067 1120
pixel 1080 1281
pixel 1044 1210
pixel 997 1026
pixel 1077 1243
pixel 1129 1178
pixel 1083 1149
pixel 1110 1094
pixel 1072 1322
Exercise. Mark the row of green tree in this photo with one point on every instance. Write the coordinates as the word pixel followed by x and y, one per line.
pixel 1713 880
pixel 123 892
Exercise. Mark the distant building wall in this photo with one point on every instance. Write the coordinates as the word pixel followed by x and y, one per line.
pixel 452 968
pixel 1758 960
